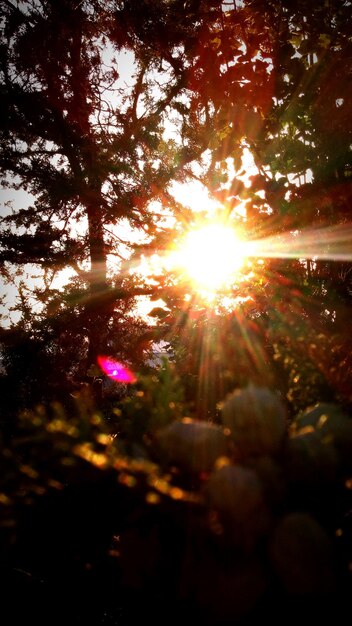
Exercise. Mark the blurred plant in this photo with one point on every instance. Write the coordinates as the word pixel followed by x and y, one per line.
pixel 230 503
pixel 154 402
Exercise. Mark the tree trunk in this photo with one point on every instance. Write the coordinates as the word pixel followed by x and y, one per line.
pixel 98 312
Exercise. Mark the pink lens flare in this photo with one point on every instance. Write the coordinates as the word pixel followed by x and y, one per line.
pixel 115 370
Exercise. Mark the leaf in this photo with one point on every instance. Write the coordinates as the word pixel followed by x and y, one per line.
pixel 324 41
pixel 158 312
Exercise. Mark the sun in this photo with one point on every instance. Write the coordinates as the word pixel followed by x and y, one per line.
pixel 211 255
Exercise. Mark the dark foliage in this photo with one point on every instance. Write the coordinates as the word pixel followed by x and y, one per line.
pixel 89 535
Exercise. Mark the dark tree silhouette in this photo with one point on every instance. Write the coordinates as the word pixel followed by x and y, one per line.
pixel 94 152
pixel 277 80
pixel 89 145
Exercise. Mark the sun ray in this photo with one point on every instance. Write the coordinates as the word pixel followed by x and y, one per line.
pixel 332 243
pixel 210 255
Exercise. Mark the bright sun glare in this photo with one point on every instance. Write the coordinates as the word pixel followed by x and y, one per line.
pixel 211 255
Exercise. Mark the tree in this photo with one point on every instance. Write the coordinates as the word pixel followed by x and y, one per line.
pixel 90 149
pixel 228 76
pixel 277 81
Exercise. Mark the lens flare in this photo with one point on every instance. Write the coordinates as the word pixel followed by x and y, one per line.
pixel 116 371
pixel 332 243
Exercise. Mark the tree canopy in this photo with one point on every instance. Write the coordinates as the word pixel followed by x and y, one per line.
pixel 99 150
pixel 90 147
pixel 277 80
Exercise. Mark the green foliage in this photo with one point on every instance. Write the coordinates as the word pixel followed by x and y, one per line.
pixel 156 402
pixel 215 542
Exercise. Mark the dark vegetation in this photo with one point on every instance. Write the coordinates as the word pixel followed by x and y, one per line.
pixel 115 509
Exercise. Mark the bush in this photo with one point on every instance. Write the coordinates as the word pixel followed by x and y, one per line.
pixel 224 527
